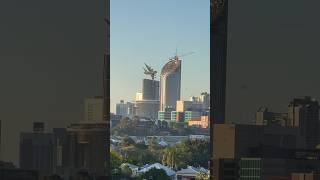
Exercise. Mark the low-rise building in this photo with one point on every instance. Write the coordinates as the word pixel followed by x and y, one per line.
pixel 169 171
pixel 202 122
pixel 190 173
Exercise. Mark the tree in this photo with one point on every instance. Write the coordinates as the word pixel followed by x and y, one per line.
pixel 115 160
pixel 153 144
pixel 176 156
pixel 192 152
pixel 155 174
pixel 200 150
pixel 127 141
pixel 126 172
pixel 203 176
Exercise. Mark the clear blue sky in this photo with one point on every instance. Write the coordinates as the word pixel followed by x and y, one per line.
pixel 150 31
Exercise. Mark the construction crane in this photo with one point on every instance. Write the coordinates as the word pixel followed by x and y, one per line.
pixel 176 57
pixel 149 71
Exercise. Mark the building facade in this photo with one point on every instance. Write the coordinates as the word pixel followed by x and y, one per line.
pixel 87 148
pixel 218 51
pixel 304 113
pixel 150 89
pixel 170 84
pixel 147 108
pixel 37 150
pixel 93 108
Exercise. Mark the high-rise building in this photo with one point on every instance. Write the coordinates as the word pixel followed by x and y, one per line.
pixel 218 51
pixel 205 100
pixel 304 113
pixel 150 89
pixel 93 109
pixel 122 108
pixel 147 102
pixel 218 58
pixel 170 83
pixel 37 150
pixel 87 148
pixel 131 109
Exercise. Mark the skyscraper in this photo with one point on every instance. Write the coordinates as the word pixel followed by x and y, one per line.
pixel 170 84
pixel 147 105
pixel 218 51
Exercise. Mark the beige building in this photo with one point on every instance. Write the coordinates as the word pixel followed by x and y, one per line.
pixel 183 106
pixel 202 122
pixel 93 109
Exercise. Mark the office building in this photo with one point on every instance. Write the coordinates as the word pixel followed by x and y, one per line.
pixel 121 108
pixel 131 109
pixel 150 89
pixel 125 109
pixel 305 176
pixel 93 108
pixel 226 169
pixel 170 84
pixel 205 100
pixel 18 174
pixel 177 116
pixel 87 144
pixel 147 108
pixel 304 113
pixel 233 141
pixel 265 117
pixel 164 115
pixel 218 51
pixel 37 150
pixel 182 106
pixel 188 115
pixel 139 96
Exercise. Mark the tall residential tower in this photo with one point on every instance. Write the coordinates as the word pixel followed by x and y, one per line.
pixel 170 83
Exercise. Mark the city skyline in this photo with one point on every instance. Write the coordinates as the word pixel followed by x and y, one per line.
pixel 174 30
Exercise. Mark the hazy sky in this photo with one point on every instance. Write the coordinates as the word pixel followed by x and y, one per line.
pixel 51 57
pixel 150 31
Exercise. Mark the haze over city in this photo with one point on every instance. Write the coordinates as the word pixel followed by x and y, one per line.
pixel 152 36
